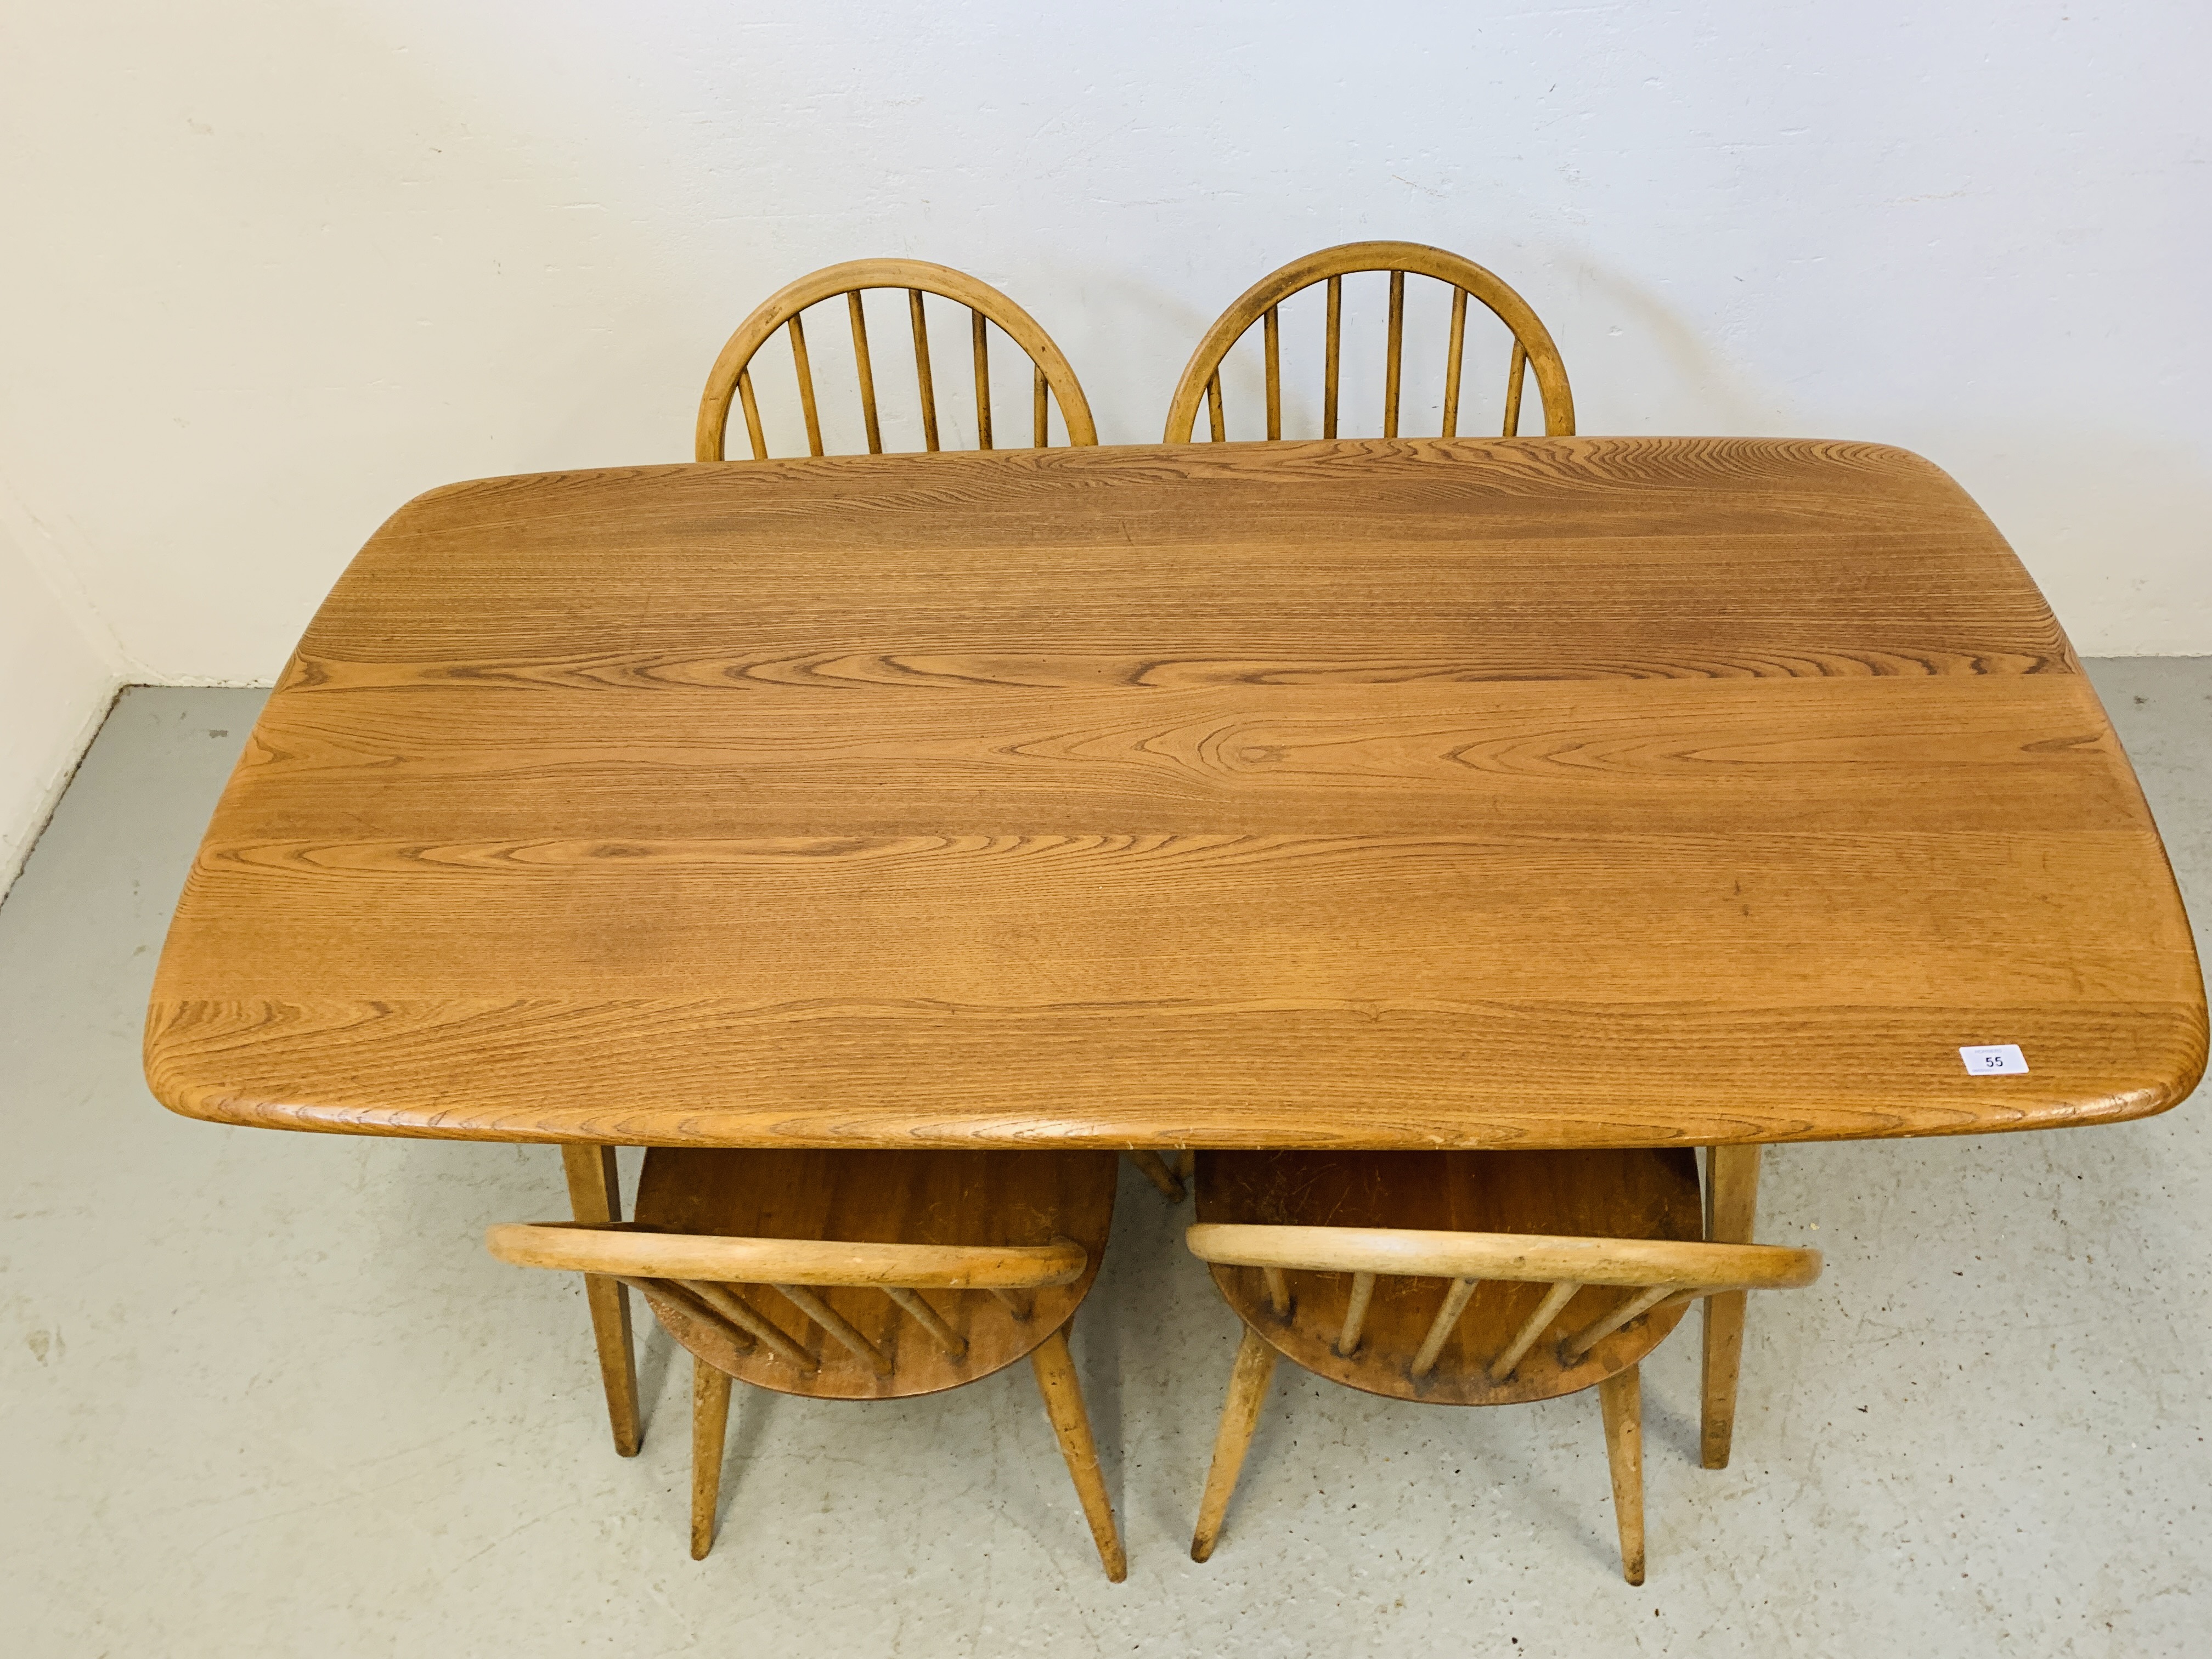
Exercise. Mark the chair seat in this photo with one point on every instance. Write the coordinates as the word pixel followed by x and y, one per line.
pixel 1634 1192
pixel 882 1197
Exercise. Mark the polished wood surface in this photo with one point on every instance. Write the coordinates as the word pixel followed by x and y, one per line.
pixel 931 1203
pixel 1533 350
pixel 802 1272
pixel 1543 792
pixel 1423 1276
pixel 1596 1199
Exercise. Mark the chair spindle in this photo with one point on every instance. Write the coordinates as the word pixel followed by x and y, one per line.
pixel 1502 1367
pixel 1454 353
pixel 867 372
pixel 1214 407
pixel 1355 1315
pixel 1391 373
pixel 1272 330
pixel 805 386
pixel 1455 1301
pixel 1278 1292
pixel 921 369
pixel 982 345
pixel 1039 409
pixel 754 430
pixel 1335 343
pixel 733 1308
pixel 1515 376
pixel 1642 1302
pixel 926 1316
pixel 830 1321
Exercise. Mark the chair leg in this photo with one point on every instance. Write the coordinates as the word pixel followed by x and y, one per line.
pixel 1071 1422
pixel 710 1422
pixel 1156 1171
pixel 1620 1397
pixel 594 1194
pixel 1731 1205
pixel 1239 1415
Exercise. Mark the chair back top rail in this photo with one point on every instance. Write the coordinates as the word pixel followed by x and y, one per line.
pixel 1533 347
pixel 1415 1253
pixel 729 378
pixel 626 1251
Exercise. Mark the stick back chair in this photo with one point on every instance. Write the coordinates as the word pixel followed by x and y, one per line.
pixel 1469 1279
pixel 1532 350
pixel 731 375
pixel 857 1276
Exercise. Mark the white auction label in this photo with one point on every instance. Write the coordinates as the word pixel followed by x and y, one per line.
pixel 1995 1061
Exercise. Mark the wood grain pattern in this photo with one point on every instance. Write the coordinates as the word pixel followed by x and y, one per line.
pixel 1648 1193
pixel 1540 792
pixel 964 1199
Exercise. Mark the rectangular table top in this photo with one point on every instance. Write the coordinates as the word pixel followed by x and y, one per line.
pixel 1537 791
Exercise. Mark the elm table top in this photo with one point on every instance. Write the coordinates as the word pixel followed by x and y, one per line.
pixel 1537 791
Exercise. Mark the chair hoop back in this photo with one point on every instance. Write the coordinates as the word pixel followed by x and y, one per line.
pixel 729 378
pixel 1533 348
pixel 1523 1257
pixel 626 1251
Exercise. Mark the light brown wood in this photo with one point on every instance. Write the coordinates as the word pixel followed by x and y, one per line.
pixel 1628 1309
pixel 710 1422
pixel 1332 353
pixel 1480 792
pixel 1270 326
pixel 595 1198
pixel 783 309
pixel 749 1321
pixel 1395 352
pixel 1344 1247
pixel 1731 1195
pixel 1620 1399
pixel 994 1207
pixel 1440 1329
pixel 1155 1170
pixel 1071 1426
pixel 795 325
pixel 1434 1337
pixel 580 1248
pixel 874 1207
pixel 920 324
pixel 1546 1314
pixel 865 367
pixel 1355 1314
pixel 1428 1319
pixel 930 1320
pixel 981 344
pixel 1455 363
pixel 1240 1414
pixel 1533 348
pixel 1278 1292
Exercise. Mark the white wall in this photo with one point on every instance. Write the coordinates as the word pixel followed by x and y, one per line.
pixel 275 267
pixel 58 673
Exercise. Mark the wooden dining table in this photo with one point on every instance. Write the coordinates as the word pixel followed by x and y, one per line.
pixel 1533 793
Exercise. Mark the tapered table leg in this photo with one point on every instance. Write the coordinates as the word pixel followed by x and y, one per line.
pixel 595 1194
pixel 1731 1205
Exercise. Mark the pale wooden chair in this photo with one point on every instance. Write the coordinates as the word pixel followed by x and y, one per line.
pixel 1465 1279
pixel 857 1276
pixel 1533 350
pixel 731 377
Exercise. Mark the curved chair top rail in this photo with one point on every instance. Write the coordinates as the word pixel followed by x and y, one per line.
pixel 626 1251
pixel 1533 1257
pixel 1532 343
pixel 729 377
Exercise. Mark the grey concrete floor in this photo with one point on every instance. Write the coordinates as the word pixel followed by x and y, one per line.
pixel 264 1393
